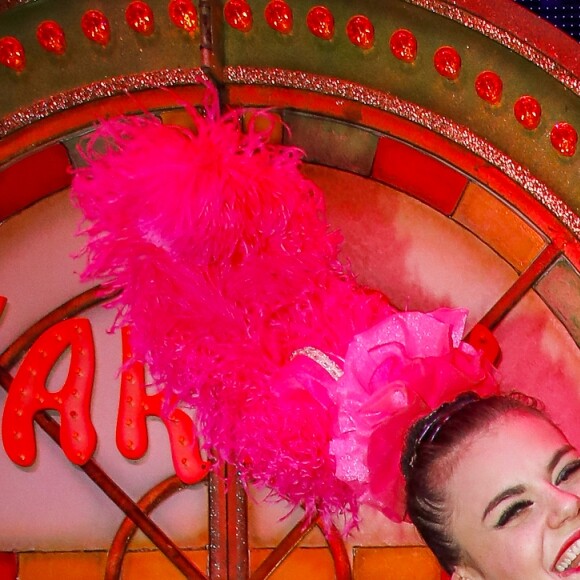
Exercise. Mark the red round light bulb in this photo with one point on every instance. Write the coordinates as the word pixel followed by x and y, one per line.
pixel 489 87
pixel 184 15
pixel 96 27
pixel 139 17
pixel 403 45
pixel 528 112
pixel 320 22
pixel 51 37
pixel 447 62
pixel 361 32
pixel 279 16
pixel 238 15
pixel 12 53
pixel 564 139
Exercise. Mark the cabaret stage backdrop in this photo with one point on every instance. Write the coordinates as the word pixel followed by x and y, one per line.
pixel 439 170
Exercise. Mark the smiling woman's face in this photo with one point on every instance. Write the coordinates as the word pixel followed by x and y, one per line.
pixel 514 495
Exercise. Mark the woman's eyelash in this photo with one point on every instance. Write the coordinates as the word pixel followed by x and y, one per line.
pixel 567 471
pixel 512 511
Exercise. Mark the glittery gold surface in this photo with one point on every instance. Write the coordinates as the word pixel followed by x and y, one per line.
pixel 5 4
pixel 102 89
pixel 417 114
pixel 505 38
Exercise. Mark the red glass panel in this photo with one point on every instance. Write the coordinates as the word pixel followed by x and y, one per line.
pixel 8 565
pixel 33 178
pixel 418 174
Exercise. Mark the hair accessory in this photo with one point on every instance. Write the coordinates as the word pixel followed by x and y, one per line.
pixel 226 267
pixel 433 423
pixel 396 373
pixel 321 359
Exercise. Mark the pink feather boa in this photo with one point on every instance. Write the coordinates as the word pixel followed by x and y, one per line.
pixel 227 267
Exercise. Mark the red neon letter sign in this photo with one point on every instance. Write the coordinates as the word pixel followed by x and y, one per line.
pixel 136 405
pixel 28 394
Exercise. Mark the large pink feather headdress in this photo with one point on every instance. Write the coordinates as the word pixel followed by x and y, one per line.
pixel 229 276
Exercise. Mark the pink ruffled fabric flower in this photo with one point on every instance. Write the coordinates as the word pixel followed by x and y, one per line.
pixel 394 373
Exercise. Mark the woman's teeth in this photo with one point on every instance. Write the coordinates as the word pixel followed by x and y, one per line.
pixel 568 557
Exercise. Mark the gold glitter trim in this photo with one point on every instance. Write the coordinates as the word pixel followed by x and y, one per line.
pixel 417 114
pixel 507 39
pixel 6 4
pixel 99 90
pixel 320 358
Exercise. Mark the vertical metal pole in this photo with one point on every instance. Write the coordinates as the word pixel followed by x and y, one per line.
pixel 217 524
pixel 238 560
pixel 228 526
pixel 228 517
pixel 218 532
pixel 211 39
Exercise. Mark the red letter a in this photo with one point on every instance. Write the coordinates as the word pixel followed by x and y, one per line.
pixel 28 394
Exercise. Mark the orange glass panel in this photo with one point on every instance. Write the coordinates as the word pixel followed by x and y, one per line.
pixel 262 123
pixel 142 565
pixel 177 117
pixel 500 226
pixel 303 563
pixel 62 565
pixel 400 563
pixel 91 565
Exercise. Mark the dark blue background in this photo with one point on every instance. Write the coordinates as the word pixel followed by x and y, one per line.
pixel 565 14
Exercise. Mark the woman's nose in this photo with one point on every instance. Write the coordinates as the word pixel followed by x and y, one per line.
pixel 564 505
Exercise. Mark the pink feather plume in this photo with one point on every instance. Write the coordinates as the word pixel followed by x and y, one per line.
pixel 226 267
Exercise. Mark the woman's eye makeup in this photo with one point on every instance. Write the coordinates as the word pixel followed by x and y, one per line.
pixel 511 512
pixel 567 471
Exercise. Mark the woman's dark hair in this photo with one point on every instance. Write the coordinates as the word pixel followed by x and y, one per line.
pixel 433 440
